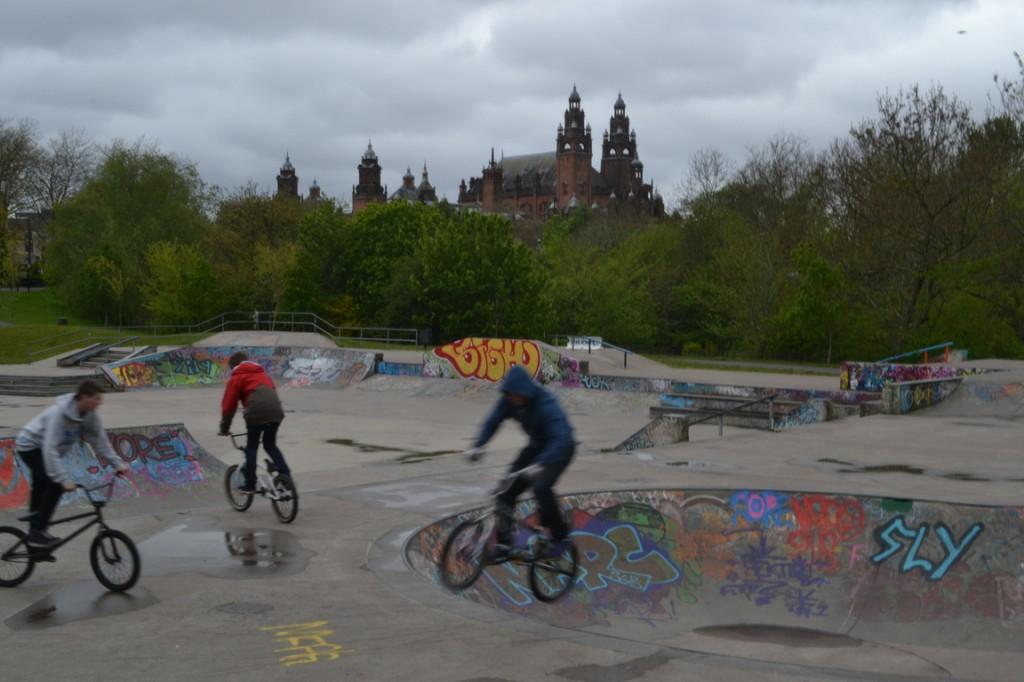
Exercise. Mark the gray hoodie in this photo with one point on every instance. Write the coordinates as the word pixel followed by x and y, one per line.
pixel 56 431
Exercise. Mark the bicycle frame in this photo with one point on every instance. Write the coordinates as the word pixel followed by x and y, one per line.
pixel 262 472
pixel 97 519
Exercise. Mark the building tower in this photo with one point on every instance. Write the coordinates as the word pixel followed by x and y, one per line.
pixel 618 151
pixel 572 156
pixel 491 191
pixel 287 181
pixel 369 189
pixel 426 192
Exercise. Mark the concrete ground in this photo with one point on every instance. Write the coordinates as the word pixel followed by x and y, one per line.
pixel 330 597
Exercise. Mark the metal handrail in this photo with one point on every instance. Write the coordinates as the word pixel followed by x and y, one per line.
pixel 720 415
pixel 918 351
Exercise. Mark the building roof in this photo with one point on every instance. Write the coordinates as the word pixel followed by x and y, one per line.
pixel 542 164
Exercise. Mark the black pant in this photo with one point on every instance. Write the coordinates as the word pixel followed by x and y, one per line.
pixel 550 514
pixel 45 492
pixel 268 433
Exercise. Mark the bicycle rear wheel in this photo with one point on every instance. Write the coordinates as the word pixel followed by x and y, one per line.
pixel 15 564
pixel 286 506
pixel 552 577
pixel 233 480
pixel 114 559
pixel 465 554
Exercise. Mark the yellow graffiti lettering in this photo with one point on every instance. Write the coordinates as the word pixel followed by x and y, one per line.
pixel 305 642
pixel 490 359
pixel 134 374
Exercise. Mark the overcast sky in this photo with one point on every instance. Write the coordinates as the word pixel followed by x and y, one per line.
pixel 233 85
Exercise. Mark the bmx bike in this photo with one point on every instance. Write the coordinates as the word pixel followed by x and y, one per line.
pixel 472 546
pixel 112 554
pixel 278 487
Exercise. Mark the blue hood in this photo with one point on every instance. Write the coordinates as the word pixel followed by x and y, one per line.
pixel 518 381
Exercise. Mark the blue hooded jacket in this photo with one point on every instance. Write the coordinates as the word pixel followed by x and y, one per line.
pixel 542 418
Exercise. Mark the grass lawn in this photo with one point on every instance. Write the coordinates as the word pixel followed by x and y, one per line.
pixel 37 307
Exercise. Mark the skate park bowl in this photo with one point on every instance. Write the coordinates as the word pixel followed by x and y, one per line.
pixel 168 469
pixel 867 584
pixel 192 366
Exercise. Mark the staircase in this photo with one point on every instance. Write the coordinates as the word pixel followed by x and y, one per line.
pixel 45 385
pixel 108 355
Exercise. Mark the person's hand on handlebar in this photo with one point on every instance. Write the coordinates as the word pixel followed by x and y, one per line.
pixel 474 454
pixel 69 487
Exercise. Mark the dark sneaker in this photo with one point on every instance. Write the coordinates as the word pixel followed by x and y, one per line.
pixel 42 539
pixel 555 549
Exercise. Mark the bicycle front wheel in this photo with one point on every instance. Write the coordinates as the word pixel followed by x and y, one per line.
pixel 286 504
pixel 464 555
pixel 551 577
pixel 115 561
pixel 233 480
pixel 15 563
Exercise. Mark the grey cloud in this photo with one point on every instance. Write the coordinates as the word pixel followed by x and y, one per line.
pixel 233 88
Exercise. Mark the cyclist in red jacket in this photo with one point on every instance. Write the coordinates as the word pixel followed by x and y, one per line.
pixel 262 411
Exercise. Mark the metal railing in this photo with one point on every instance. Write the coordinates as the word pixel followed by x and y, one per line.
pixel 720 414
pixel 604 343
pixel 257 320
pixel 919 351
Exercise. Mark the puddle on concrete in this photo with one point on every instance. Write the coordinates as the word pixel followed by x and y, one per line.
pixel 81 601
pixel 698 464
pixel 408 456
pixel 884 469
pixel 224 553
pixel 779 634
pixel 960 476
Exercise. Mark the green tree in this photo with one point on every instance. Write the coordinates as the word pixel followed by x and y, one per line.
pixel 138 197
pixel 470 276
pixel 181 288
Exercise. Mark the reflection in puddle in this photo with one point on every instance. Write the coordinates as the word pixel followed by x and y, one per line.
pixel 224 553
pixel 80 601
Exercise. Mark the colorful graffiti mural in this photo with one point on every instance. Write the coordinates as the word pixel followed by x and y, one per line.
pixel 904 397
pixel 480 358
pixel 161 457
pixel 659 431
pixel 704 557
pixel 490 359
pixel 868 376
pixel 197 366
pixel 14 482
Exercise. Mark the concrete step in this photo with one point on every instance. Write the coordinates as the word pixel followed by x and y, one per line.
pixel 745 419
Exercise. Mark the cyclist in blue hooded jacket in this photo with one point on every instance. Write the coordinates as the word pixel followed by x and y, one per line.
pixel 545 457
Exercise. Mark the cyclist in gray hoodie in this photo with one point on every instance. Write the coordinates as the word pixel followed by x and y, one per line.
pixel 44 443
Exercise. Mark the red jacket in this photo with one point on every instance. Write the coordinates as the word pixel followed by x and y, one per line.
pixel 255 389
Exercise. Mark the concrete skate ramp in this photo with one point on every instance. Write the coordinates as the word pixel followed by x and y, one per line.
pixel 900 583
pixel 997 395
pixel 169 469
pixel 193 366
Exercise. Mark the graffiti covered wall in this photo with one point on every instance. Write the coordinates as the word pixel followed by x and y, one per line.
pixel 904 397
pixel 690 558
pixel 198 365
pixel 867 376
pixel 162 458
pixel 490 359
